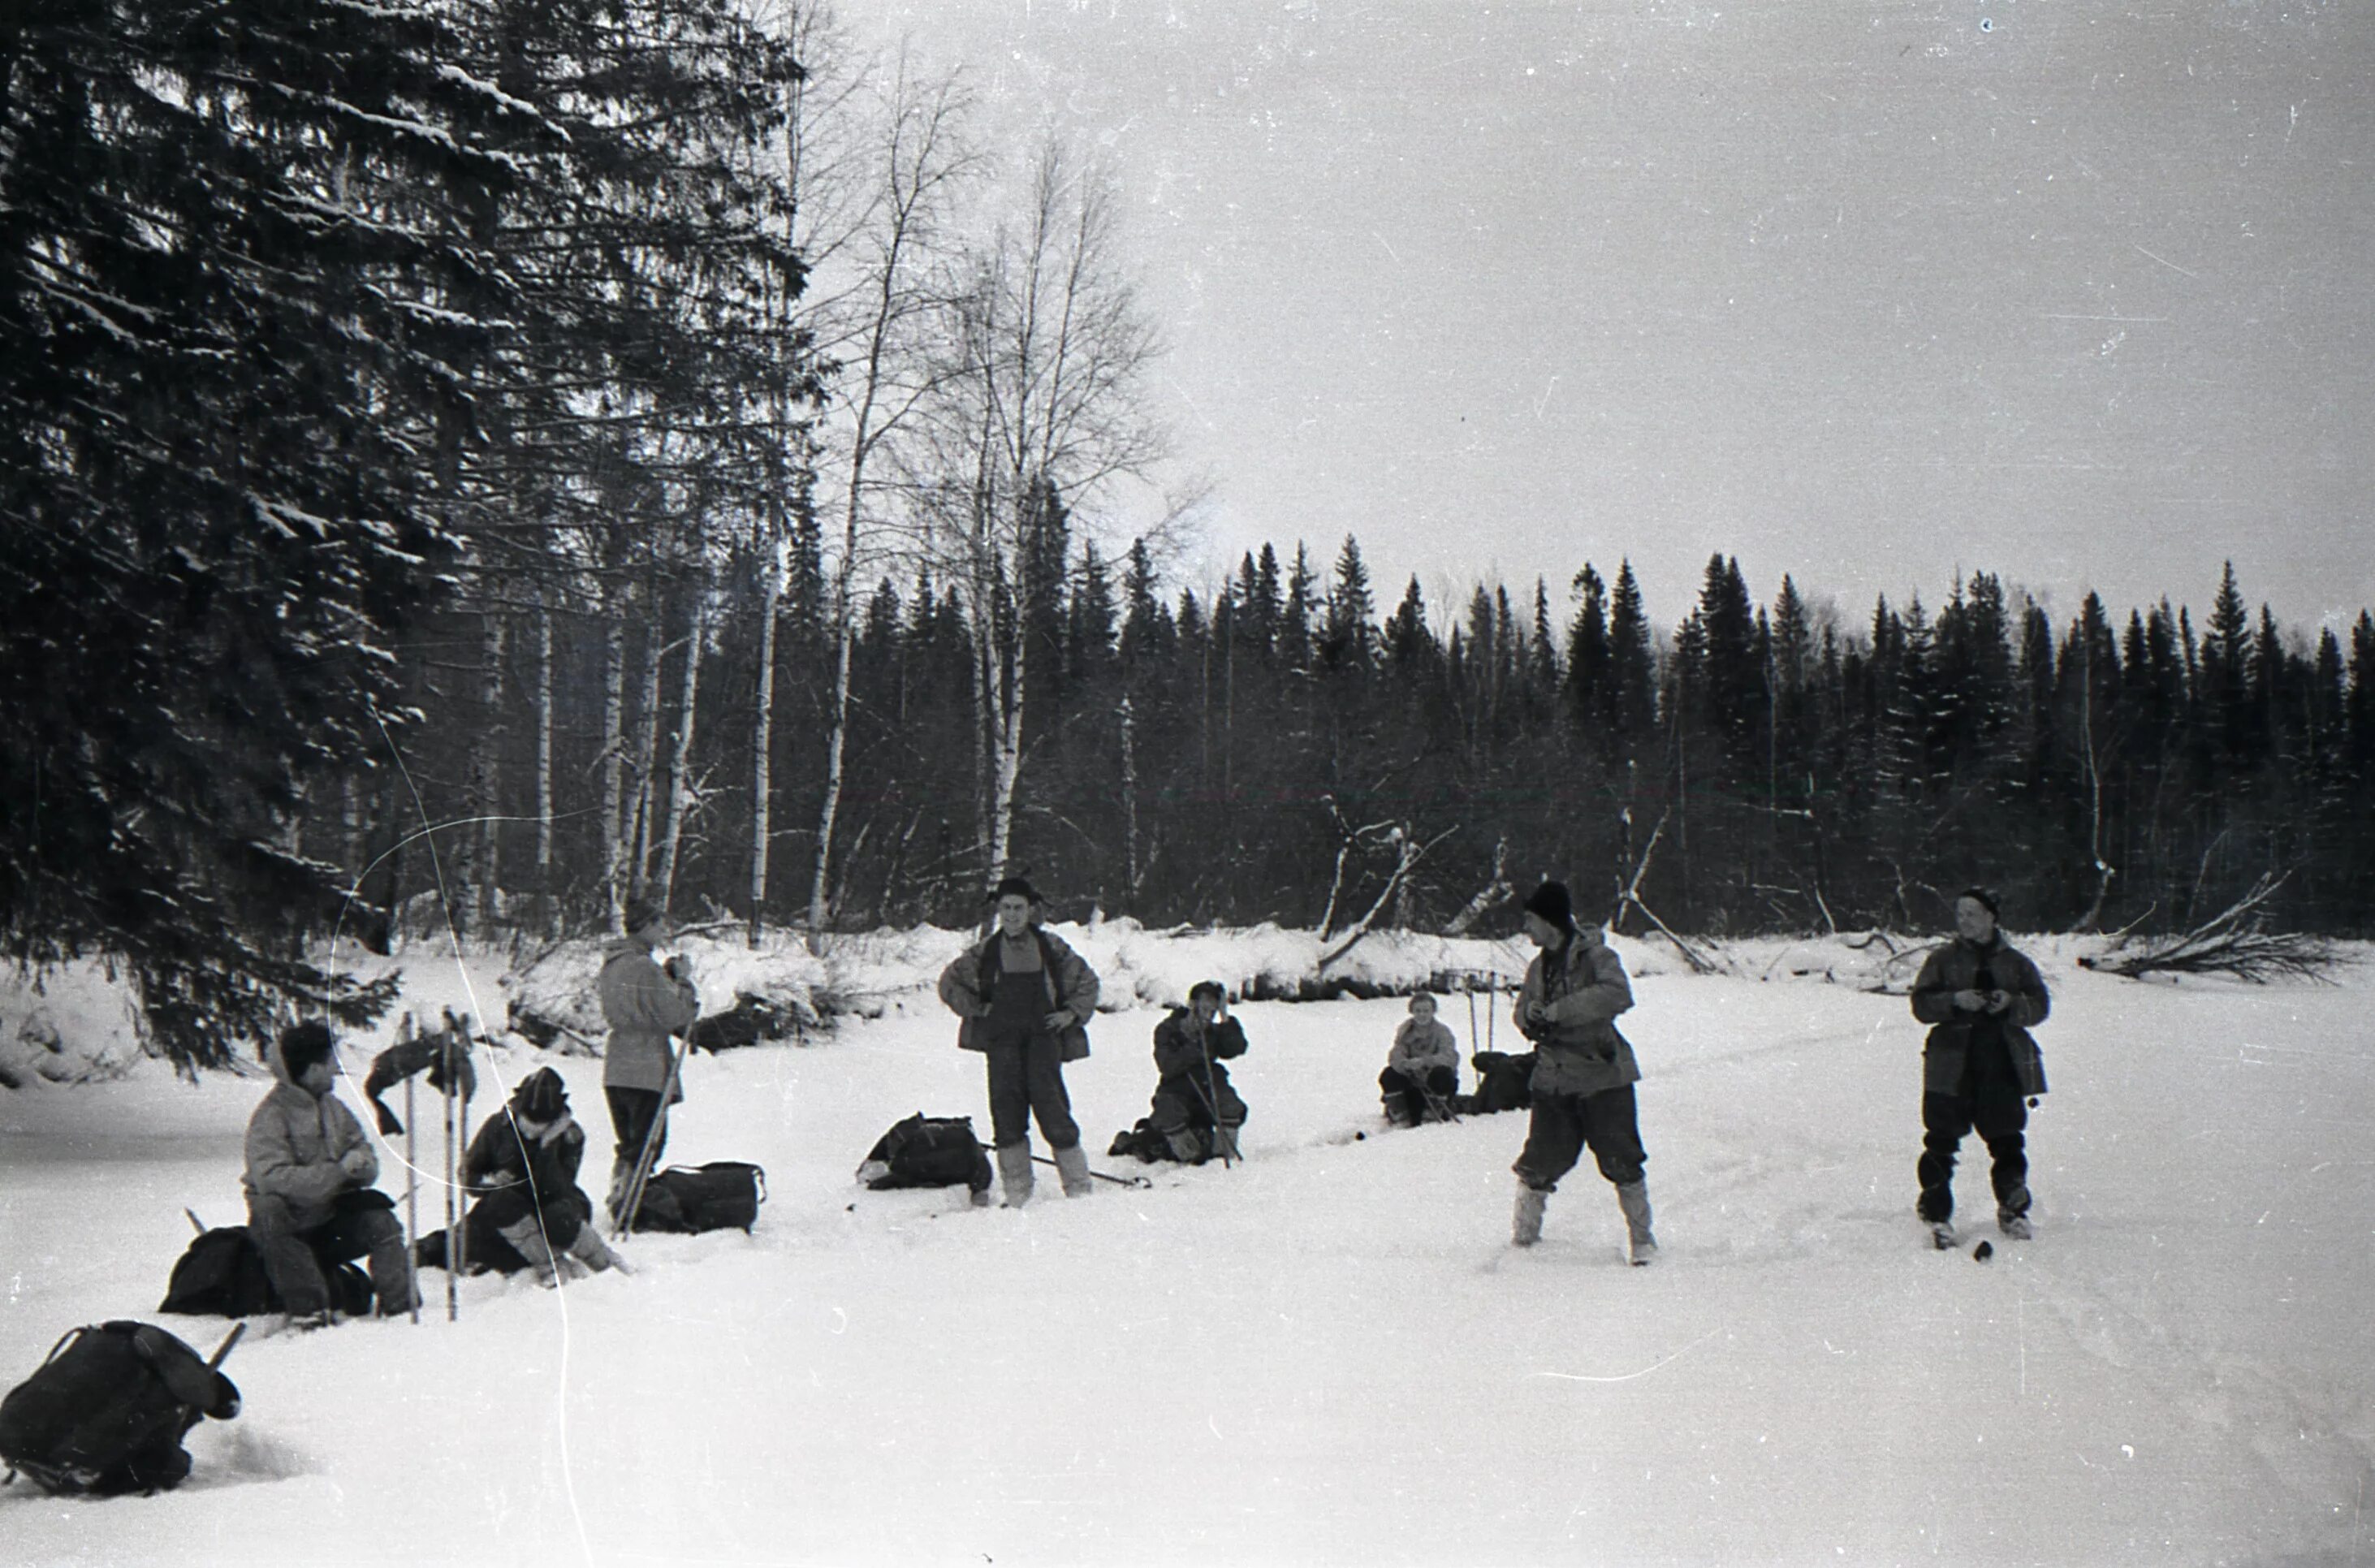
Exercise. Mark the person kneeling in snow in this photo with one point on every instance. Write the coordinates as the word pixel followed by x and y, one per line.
pixel 1195 1110
pixel 1422 1070
pixel 309 1197
pixel 1584 1071
pixel 522 1169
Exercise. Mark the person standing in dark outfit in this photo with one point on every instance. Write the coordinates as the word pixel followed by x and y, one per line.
pixel 1584 1071
pixel 1980 1066
pixel 1024 997
pixel 645 1005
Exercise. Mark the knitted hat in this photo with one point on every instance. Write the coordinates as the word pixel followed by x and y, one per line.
pixel 541 1096
pixel 1211 988
pixel 302 1044
pixel 1550 901
pixel 641 912
pixel 1986 899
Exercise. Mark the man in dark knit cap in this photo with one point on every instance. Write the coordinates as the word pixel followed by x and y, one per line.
pixel 1583 1070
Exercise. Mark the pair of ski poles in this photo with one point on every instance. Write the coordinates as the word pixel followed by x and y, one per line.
pixel 632 1200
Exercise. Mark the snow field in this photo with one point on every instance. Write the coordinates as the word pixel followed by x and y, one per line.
pixel 1326 1354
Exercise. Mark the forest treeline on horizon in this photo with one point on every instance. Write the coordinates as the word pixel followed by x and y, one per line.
pixel 472 463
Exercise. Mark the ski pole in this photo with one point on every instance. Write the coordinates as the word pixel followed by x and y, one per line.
pixel 632 1200
pixel 452 1219
pixel 196 1223
pixel 1222 1139
pixel 1117 1181
pixel 412 1198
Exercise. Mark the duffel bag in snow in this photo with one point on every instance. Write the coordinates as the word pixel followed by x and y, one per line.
pixel 722 1194
pixel 1504 1082
pixel 928 1151
pixel 106 1412
pixel 223 1275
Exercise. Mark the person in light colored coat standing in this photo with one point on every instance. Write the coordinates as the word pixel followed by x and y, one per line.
pixel 645 1005
pixel 1584 1071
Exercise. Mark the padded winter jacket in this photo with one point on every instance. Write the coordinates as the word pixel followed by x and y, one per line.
pixel 1583 986
pixel 1956 967
pixel 1419 1048
pixel 971 979
pixel 1180 1048
pixel 294 1146
pixel 501 1157
pixel 643 1008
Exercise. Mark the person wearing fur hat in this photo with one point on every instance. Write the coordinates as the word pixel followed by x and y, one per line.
pixel 1584 1071
pixel 309 1176
pixel 645 1005
pixel 1979 1065
pixel 523 1169
pixel 1025 998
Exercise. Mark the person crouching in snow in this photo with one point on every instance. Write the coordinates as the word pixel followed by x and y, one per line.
pixel 1422 1069
pixel 522 1169
pixel 645 1004
pixel 1584 1071
pixel 309 1183
pixel 1195 1110
pixel 1978 1067
pixel 1024 997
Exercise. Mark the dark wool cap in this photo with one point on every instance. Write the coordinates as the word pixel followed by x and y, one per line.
pixel 302 1044
pixel 1550 902
pixel 1985 897
pixel 1014 885
pixel 541 1096
pixel 641 912
pixel 1211 988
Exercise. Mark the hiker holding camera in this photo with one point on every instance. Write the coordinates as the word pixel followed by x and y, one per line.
pixel 1195 1109
pixel 646 1003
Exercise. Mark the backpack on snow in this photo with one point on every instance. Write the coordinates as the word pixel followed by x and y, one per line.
pixel 106 1411
pixel 223 1275
pixel 928 1151
pixel 1504 1082
pixel 722 1194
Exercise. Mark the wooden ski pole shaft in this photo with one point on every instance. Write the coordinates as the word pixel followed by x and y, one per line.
pixel 412 1197
pixel 453 1222
pixel 632 1200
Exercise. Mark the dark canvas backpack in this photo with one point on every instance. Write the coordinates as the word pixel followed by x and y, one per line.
pixel 106 1411
pixel 1504 1082
pixel 928 1151
pixel 223 1275
pixel 723 1195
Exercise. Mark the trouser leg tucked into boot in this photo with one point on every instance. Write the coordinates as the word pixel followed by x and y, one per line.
pixel 1014 1171
pixel 1072 1164
pixel 1525 1227
pixel 1634 1199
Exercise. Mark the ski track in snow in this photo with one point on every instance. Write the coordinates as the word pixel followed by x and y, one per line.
pixel 1326 1353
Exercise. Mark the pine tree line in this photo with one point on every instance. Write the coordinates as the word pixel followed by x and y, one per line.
pixel 1278 750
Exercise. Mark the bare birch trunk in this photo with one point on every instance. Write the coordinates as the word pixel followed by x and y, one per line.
pixel 485 781
pixel 763 740
pixel 1129 807
pixel 680 797
pixel 647 745
pixel 614 752
pixel 547 895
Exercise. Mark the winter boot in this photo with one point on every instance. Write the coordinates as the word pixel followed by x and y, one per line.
pixel 591 1250
pixel 526 1238
pixel 622 1173
pixel 1072 1164
pixel 1526 1228
pixel 1224 1142
pixel 1634 1199
pixel 1014 1169
pixel 1185 1146
pixel 2012 1215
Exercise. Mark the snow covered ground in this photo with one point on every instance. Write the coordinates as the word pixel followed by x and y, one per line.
pixel 1326 1354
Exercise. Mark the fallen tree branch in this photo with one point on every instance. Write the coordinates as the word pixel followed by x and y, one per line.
pixel 1699 962
pixel 2234 942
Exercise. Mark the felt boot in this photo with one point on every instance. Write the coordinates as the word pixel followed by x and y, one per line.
pixel 1634 1199
pixel 1072 1164
pixel 1014 1169
pixel 526 1238
pixel 1525 1227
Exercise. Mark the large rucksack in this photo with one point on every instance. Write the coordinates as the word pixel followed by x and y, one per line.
pixel 106 1412
pixel 1504 1082
pixel 723 1195
pixel 928 1151
pixel 223 1275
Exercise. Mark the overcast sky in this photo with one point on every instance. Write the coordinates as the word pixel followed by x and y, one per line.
pixel 1863 292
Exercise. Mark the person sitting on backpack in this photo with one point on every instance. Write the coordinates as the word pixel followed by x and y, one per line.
pixel 1195 1110
pixel 522 1169
pixel 309 1179
pixel 1422 1069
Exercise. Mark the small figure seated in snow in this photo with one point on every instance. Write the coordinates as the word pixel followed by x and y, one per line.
pixel 522 1169
pixel 1195 1111
pixel 310 1202
pixel 1422 1069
